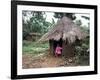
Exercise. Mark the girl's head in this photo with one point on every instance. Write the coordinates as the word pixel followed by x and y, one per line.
pixel 58 45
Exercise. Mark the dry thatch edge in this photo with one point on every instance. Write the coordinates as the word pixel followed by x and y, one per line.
pixel 64 29
pixel 70 36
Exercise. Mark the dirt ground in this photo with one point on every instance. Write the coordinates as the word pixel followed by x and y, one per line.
pixel 45 60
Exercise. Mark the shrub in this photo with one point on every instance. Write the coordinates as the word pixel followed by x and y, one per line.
pixel 81 52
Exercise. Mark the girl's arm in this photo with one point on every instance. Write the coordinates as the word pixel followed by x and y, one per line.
pixel 60 47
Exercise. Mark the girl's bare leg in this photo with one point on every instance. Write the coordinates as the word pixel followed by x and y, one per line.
pixel 56 55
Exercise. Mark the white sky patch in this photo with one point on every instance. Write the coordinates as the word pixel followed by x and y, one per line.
pixel 50 16
pixel 84 21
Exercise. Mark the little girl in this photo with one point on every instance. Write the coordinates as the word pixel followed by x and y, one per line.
pixel 58 50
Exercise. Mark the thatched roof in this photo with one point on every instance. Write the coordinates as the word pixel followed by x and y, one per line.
pixel 65 29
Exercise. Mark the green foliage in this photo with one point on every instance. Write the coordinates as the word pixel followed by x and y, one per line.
pixel 34 48
pixel 36 22
pixel 78 22
pixel 82 53
pixel 82 47
pixel 87 18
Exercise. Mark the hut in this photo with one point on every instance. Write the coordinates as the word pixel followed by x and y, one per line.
pixel 64 33
pixel 32 36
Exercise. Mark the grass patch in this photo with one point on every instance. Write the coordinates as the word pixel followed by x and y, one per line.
pixel 34 48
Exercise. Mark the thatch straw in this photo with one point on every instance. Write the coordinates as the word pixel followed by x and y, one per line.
pixel 65 29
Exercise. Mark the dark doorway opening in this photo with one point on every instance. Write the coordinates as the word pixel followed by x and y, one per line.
pixel 59 42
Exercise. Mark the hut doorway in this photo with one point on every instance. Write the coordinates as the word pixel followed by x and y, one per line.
pixel 53 45
pixel 59 42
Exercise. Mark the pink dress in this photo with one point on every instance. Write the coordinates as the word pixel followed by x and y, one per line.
pixel 58 50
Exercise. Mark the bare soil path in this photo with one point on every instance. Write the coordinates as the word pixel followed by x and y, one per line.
pixel 46 60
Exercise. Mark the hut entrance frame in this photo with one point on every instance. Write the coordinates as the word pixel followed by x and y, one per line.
pixel 67 49
pixel 54 44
